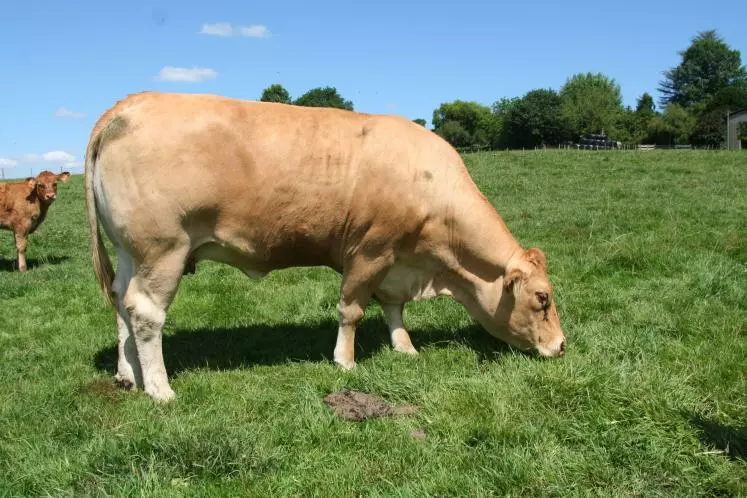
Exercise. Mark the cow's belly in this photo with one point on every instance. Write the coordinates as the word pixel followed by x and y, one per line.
pixel 255 257
pixel 405 282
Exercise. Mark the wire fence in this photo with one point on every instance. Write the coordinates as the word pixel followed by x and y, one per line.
pixel 582 147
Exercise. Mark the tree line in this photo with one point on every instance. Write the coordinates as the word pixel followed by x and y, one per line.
pixel 695 97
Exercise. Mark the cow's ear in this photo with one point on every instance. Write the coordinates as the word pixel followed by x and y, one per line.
pixel 536 257
pixel 512 280
pixel 63 177
pixel 31 181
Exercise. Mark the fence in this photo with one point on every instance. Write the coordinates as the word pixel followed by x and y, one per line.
pixel 642 147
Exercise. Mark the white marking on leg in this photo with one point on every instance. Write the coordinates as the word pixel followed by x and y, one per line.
pixel 345 346
pixel 128 365
pixel 147 321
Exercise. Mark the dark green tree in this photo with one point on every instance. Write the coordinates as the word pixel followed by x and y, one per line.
pixel 419 121
pixel 708 65
pixel 710 128
pixel 592 103
pixel 680 123
pixel 324 97
pixel 501 111
pixel 631 127
pixel 536 120
pixel 474 118
pixel 276 93
pixel 645 106
pixel 673 127
pixel 454 133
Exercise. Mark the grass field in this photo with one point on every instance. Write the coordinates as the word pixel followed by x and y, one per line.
pixel 648 255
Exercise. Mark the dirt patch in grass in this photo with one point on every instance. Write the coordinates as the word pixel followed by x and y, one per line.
pixel 101 388
pixel 358 406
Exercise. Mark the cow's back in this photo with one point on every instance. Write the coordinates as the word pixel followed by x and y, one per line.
pixel 290 184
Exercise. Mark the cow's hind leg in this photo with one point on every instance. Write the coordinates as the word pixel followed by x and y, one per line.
pixel 359 279
pixel 146 301
pixel 22 242
pixel 400 338
pixel 128 374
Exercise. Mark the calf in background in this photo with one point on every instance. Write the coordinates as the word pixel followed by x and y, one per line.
pixel 24 205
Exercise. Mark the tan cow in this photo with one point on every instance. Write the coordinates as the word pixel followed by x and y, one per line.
pixel 262 186
pixel 24 205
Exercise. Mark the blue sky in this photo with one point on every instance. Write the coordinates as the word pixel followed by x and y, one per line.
pixel 64 63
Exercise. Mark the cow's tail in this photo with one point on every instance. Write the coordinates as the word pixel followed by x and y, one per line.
pixel 102 265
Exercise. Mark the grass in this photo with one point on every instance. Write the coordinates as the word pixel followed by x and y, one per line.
pixel 647 251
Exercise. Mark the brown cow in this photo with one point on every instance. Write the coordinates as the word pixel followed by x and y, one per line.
pixel 178 178
pixel 24 205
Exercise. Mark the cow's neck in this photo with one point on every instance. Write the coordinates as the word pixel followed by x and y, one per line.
pixel 480 248
pixel 480 241
pixel 43 208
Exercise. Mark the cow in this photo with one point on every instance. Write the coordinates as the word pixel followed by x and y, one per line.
pixel 172 179
pixel 24 206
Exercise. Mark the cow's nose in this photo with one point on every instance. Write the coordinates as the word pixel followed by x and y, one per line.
pixel 562 348
pixel 51 196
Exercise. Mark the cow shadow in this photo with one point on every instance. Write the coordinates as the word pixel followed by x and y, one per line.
pixel 731 439
pixel 273 344
pixel 11 265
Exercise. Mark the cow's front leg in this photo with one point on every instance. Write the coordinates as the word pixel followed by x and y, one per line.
pixel 21 244
pixel 350 313
pixel 360 277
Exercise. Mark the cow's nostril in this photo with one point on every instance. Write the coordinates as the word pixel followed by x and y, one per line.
pixel 562 346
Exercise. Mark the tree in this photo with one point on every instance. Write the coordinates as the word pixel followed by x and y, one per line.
pixel 680 123
pixel 419 121
pixel 674 126
pixel 710 128
pixel 475 119
pixel 632 126
pixel 501 111
pixel 454 133
pixel 592 103
pixel 536 120
pixel 324 97
pixel 708 65
pixel 645 106
pixel 276 93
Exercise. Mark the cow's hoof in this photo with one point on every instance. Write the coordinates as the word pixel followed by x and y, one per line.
pixel 160 394
pixel 345 364
pixel 406 349
pixel 124 382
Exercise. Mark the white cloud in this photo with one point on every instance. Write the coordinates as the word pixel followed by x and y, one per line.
pixel 73 164
pixel 54 156
pixel 7 163
pixel 217 29
pixel 255 31
pixel 58 156
pixel 191 75
pixel 226 29
pixel 64 112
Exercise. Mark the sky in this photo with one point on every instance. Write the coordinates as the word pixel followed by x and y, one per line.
pixel 65 63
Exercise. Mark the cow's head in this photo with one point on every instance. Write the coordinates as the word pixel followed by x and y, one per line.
pixel 519 307
pixel 45 185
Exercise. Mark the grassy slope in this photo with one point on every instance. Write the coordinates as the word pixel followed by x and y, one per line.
pixel 647 252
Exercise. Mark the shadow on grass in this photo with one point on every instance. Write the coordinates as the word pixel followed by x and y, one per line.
pixel 239 347
pixel 732 440
pixel 11 265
